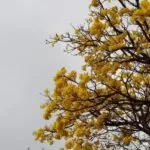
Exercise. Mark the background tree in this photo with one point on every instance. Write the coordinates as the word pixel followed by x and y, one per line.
pixel 107 106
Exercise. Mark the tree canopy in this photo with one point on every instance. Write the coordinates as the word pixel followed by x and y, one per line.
pixel 107 106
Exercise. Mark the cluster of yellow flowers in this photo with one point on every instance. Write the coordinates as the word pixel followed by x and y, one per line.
pixel 84 103
pixel 41 136
pixel 143 12
pixel 94 3
pixel 96 27
pixel 124 139
pixel 126 11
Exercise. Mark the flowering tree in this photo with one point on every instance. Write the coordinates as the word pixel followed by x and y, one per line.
pixel 107 106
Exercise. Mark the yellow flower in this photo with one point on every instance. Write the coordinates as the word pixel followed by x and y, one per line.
pixel 69 144
pixel 60 73
pixel 126 140
pixel 94 3
pixel 84 78
pixel 72 75
pixel 96 27
pixel 88 146
pixel 77 146
pixel 57 136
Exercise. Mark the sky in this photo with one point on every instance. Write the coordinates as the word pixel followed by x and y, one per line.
pixel 27 64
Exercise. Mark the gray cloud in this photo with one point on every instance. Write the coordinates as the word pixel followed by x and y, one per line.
pixel 28 65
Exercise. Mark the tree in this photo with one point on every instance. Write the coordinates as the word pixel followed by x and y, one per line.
pixel 107 106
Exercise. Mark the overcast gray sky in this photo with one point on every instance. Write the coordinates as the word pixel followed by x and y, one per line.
pixel 28 65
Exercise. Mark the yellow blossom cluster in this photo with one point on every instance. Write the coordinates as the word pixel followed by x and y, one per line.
pixel 94 3
pixel 107 104
pixel 125 139
pixel 96 27
pixel 143 11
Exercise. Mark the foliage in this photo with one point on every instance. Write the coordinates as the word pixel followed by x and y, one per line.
pixel 107 106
